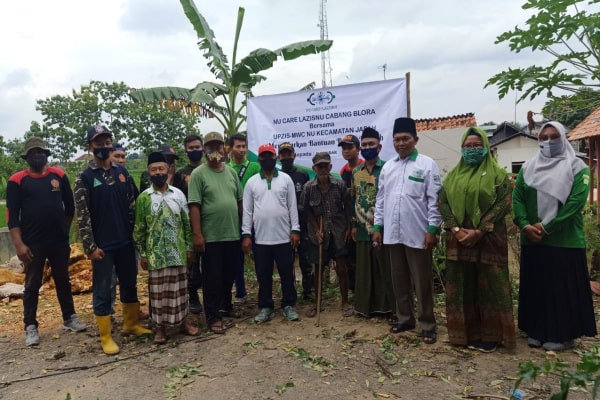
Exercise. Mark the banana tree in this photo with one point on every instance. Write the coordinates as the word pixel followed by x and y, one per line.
pixel 237 79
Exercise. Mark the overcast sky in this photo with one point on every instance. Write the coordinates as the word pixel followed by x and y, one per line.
pixel 53 47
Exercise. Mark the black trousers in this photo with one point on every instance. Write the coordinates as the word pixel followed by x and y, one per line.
pixel 58 256
pixel 195 279
pixel 218 262
pixel 283 256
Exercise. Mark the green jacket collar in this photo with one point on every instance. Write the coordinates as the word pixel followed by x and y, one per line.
pixel 262 174
pixel 379 164
pixel 412 156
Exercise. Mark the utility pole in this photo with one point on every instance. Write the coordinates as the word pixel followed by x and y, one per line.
pixel 325 59
pixel 383 67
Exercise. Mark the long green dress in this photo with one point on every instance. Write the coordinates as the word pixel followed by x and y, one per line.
pixel 478 297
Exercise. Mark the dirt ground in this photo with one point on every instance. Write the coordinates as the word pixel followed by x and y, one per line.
pixel 343 358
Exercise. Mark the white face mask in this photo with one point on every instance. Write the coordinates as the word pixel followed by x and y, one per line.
pixel 551 148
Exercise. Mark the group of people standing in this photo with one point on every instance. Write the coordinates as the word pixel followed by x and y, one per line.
pixel 379 223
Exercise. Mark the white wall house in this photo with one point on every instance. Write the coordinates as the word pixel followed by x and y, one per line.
pixel 510 145
pixel 512 153
pixel 443 146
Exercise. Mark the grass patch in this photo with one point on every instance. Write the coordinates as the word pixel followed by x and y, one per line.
pixel 2 215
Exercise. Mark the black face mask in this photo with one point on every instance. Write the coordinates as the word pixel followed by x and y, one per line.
pixel 287 164
pixel 195 155
pixel 102 153
pixel 268 164
pixel 37 161
pixel 159 180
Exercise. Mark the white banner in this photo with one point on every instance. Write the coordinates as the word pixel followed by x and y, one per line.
pixel 317 120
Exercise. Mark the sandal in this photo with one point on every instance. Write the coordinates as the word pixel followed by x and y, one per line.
pixel 347 310
pixel 233 313
pixel 429 337
pixel 188 329
pixel 218 327
pixel 392 320
pixel 160 336
pixel 312 311
pixel 398 327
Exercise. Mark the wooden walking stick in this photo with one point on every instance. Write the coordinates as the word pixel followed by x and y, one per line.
pixel 319 274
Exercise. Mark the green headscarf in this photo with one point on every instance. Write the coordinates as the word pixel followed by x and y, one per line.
pixel 471 189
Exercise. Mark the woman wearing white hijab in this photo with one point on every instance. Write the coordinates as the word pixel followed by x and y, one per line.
pixel 555 300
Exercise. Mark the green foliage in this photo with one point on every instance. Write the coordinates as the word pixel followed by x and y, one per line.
pixel 235 78
pixel 143 126
pixel 569 31
pixel 280 389
pixel 2 215
pixel 10 161
pixel 585 376
pixel 177 376
pixel 592 237
pixel 316 363
pixel 571 110
pixel 439 263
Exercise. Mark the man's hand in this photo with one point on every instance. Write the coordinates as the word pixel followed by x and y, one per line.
pixel 97 255
pixel 348 234
pixel 430 241
pixel 319 236
pixel 376 239
pixel 199 243
pixel 144 263
pixel 294 240
pixel 353 234
pixel 246 245
pixel 535 233
pixel 24 253
pixel 190 257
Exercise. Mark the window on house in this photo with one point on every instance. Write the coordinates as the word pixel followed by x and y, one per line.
pixel 516 166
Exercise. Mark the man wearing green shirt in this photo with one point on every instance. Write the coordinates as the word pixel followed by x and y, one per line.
pixel 215 200
pixel 373 292
pixel 244 169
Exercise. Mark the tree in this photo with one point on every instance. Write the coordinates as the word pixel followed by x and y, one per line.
pixel 10 161
pixel 239 78
pixel 566 30
pixel 571 110
pixel 142 125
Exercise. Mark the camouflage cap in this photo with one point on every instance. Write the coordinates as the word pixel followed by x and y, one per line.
pixel 34 143
pixel 213 137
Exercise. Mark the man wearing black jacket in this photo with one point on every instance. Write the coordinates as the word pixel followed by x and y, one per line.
pixel 105 203
pixel 39 203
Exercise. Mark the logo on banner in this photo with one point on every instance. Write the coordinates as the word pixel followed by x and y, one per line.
pixel 320 98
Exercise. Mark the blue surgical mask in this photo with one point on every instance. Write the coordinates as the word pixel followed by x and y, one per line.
pixel 473 156
pixel 551 148
pixel 369 154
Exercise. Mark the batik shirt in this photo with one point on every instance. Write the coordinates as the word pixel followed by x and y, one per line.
pixel 332 205
pixel 162 232
pixel 364 193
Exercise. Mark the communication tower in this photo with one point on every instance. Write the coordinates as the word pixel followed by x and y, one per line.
pixel 325 59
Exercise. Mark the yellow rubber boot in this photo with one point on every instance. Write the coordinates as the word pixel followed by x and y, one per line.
pixel 131 320
pixel 108 344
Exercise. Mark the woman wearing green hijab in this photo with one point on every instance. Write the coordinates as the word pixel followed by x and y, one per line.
pixel 474 200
